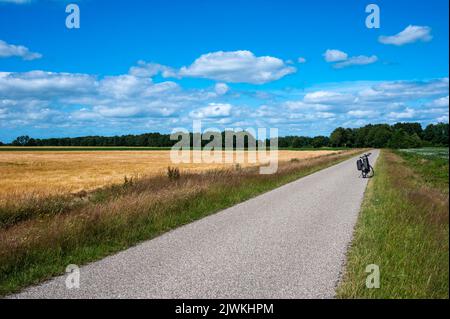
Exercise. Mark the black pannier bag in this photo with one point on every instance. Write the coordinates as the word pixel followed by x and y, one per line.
pixel 359 165
pixel 366 165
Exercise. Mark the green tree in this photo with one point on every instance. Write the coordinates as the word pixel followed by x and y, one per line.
pixel 415 141
pixel 21 140
pixel 409 128
pixel 338 137
pixel 301 141
pixel 437 134
pixel 381 136
pixel 320 141
pixel 400 139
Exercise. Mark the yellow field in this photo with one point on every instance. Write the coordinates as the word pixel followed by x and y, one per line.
pixel 60 172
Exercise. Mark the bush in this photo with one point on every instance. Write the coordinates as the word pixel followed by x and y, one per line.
pixel 173 173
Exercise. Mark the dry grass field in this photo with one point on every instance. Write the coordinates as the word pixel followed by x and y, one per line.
pixel 43 173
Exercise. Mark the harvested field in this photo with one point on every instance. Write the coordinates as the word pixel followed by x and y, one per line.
pixel 46 173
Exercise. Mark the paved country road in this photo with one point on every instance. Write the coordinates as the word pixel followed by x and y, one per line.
pixel 287 243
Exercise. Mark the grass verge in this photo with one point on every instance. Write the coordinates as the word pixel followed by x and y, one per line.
pixel 430 163
pixel 402 228
pixel 34 247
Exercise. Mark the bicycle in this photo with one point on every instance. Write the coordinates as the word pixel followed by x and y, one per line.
pixel 364 166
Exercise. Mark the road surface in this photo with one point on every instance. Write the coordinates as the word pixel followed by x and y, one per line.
pixel 288 243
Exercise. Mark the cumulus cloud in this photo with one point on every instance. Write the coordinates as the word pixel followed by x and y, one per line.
pixel 40 84
pixel 335 55
pixel 221 88
pixel 237 66
pixel 400 91
pixel 342 60
pixel 11 50
pixel 328 97
pixel 305 106
pixel 126 86
pixel 38 98
pixel 406 114
pixel 212 110
pixel 410 34
pixel 351 105
pixel 146 69
pixel 135 101
pixel 356 60
pixel 362 113
pixel 440 102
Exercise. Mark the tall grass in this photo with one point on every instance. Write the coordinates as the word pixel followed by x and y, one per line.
pixel 34 247
pixel 402 228
pixel 431 164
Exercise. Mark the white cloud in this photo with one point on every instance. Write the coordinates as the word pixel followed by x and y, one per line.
pixel 301 60
pixel 440 102
pixel 221 88
pixel 335 55
pixel 443 119
pixel 407 114
pixel 40 84
pixel 16 1
pixel 410 34
pixel 399 91
pixel 120 111
pixel 343 60
pixel 212 110
pixel 84 104
pixel 11 50
pixel 362 113
pixel 145 69
pixel 304 106
pixel 356 60
pixel 237 66
pixel 328 97
pixel 130 86
pixel 121 86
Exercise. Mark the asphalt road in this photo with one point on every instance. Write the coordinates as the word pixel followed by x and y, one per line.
pixel 287 243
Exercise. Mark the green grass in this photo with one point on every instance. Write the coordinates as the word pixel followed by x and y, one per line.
pixel 37 249
pixel 431 152
pixel 402 228
pixel 430 163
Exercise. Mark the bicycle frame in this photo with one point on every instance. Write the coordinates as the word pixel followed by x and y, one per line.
pixel 364 166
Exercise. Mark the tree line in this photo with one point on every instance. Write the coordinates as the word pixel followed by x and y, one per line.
pixel 399 135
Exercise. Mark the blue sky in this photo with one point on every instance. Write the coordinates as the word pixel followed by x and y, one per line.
pixel 304 67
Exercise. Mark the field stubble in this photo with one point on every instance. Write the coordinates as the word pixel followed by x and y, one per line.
pixel 44 173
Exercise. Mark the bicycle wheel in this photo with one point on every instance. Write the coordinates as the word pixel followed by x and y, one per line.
pixel 371 172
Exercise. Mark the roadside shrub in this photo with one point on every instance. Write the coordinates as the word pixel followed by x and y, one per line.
pixel 127 181
pixel 173 173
